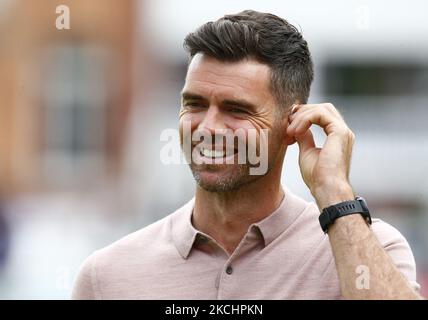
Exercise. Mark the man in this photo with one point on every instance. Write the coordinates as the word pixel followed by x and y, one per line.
pixel 244 236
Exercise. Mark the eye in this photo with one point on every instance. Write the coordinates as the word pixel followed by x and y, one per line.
pixel 239 110
pixel 194 104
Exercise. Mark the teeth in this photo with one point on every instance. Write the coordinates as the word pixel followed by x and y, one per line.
pixel 212 153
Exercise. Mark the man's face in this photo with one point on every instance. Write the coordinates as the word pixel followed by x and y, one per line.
pixel 222 97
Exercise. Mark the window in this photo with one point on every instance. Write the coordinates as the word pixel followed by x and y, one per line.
pixel 375 79
pixel 74 96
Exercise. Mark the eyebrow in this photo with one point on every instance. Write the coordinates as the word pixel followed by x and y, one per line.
pixel 191 96
pixel 230 102
pixel 240 103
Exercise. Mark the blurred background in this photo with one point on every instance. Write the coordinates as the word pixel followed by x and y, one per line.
pixel 82 110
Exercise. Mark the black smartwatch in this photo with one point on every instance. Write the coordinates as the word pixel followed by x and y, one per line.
pixel 329 214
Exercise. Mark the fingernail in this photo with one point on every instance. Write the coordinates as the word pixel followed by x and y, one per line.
pixel 293 107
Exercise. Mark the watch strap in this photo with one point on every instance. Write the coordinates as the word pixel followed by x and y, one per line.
pixel 331 213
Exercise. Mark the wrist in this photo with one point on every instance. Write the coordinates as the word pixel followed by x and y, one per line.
pixel 352 225
pixel 332 193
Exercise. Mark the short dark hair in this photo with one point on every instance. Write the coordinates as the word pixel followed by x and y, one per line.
pixel 268 39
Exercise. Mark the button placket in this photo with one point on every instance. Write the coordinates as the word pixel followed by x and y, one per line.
pixel 225 280
pixel 229 270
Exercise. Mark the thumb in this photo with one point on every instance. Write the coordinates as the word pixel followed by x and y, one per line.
pixel 305 141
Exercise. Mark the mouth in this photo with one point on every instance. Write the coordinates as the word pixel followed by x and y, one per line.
pixel 213 153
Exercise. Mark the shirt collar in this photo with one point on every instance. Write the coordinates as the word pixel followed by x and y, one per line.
pixel 282 218
pixel 184 234
pixel 182 231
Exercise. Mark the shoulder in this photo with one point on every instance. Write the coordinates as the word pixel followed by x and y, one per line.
pixel 135 250
pixel 141 240
pixel 394 243
pixel 114 258
pixel 388 235
pixel 152 237
pixel 397 247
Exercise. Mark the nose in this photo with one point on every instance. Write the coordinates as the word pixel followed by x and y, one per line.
pixel 212 121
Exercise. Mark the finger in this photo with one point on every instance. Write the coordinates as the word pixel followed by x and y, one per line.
pixel 303 108
pixel 295 118
pixel 327 106
pixel 297 109
pixel 330 122
pixel 293 109
pixel 300 123
pixel 306 141
pixel 297 115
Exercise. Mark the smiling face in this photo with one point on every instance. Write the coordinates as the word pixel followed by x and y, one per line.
pixel 220 97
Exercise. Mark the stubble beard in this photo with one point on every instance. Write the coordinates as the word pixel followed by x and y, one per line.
pixel 236 175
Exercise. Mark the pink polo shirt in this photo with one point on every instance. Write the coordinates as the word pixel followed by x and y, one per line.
pixel 284 256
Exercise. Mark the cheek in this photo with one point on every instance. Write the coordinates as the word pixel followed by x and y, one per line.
pixel 256 126
pixel 270 136
pixel 261 123
pixel 249 132
pixel 241 124
pixel 189 118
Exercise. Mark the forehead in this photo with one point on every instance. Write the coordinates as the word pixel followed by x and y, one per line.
pixel 208 76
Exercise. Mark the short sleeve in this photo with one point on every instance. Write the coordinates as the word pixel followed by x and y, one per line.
pixel 85 284
pixel 398 249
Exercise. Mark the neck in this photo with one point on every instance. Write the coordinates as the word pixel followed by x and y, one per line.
pixel 227 216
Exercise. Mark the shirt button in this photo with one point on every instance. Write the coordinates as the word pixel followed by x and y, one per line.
pixel 229 270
